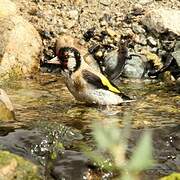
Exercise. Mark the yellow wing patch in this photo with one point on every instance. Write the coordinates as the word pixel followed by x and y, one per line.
pixel 106 82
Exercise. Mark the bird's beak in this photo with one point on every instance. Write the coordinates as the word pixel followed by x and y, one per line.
pixel 54 60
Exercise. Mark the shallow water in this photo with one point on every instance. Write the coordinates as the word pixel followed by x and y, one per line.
pixel 46 100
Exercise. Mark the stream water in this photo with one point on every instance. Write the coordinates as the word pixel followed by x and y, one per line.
pixel 44 104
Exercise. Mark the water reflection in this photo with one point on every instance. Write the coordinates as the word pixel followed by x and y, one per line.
pixel 46 100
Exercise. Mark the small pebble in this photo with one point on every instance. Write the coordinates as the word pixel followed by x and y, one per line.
pixel 110 32
pixel 105 2
pixel 99 54
pixel 138 9
pixel 138 29
pixel 45 34
pixel 73 14
pixel 151 41
pixel 89 34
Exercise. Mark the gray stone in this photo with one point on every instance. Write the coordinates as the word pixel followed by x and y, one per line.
pixel 134 67
pixel 176 53
pixel 162 20
pixel 113 65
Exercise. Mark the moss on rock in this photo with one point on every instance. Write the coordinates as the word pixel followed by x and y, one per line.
pixel 15 167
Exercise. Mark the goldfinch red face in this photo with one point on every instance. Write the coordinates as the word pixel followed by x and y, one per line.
pixel 69 58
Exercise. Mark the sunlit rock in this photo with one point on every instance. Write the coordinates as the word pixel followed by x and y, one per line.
pixel 162 20
pixel 7 8
pixel 20 44
pixel 6 107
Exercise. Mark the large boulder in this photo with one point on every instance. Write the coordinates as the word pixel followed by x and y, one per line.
pixel 7 8
pixel 20 43
pixel 162 20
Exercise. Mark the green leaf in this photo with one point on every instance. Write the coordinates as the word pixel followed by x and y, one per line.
pixel 142 156
pixel 106 136
pixel 127 176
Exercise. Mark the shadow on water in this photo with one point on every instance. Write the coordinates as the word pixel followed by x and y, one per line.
pixel 44 104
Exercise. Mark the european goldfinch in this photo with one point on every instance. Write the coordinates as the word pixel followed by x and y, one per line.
pixel 84 82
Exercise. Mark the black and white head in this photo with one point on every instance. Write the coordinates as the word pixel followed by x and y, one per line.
pixel 69 58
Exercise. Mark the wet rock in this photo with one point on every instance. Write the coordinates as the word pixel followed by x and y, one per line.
pixel 168 41
pixel 15 167
pixel 6 107
pixel 134 67
pixel 170 64
pixel 112 65
pixel 20 46
pixel 152 57
pixel 176 53
pixel 162 20
pixel 70 164
pixel 113 62
pixel 164 67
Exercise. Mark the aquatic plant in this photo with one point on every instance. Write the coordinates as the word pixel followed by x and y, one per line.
pixel 112 147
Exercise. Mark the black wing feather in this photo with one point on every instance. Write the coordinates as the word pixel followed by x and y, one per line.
pixel 93 79
pixel 96 82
